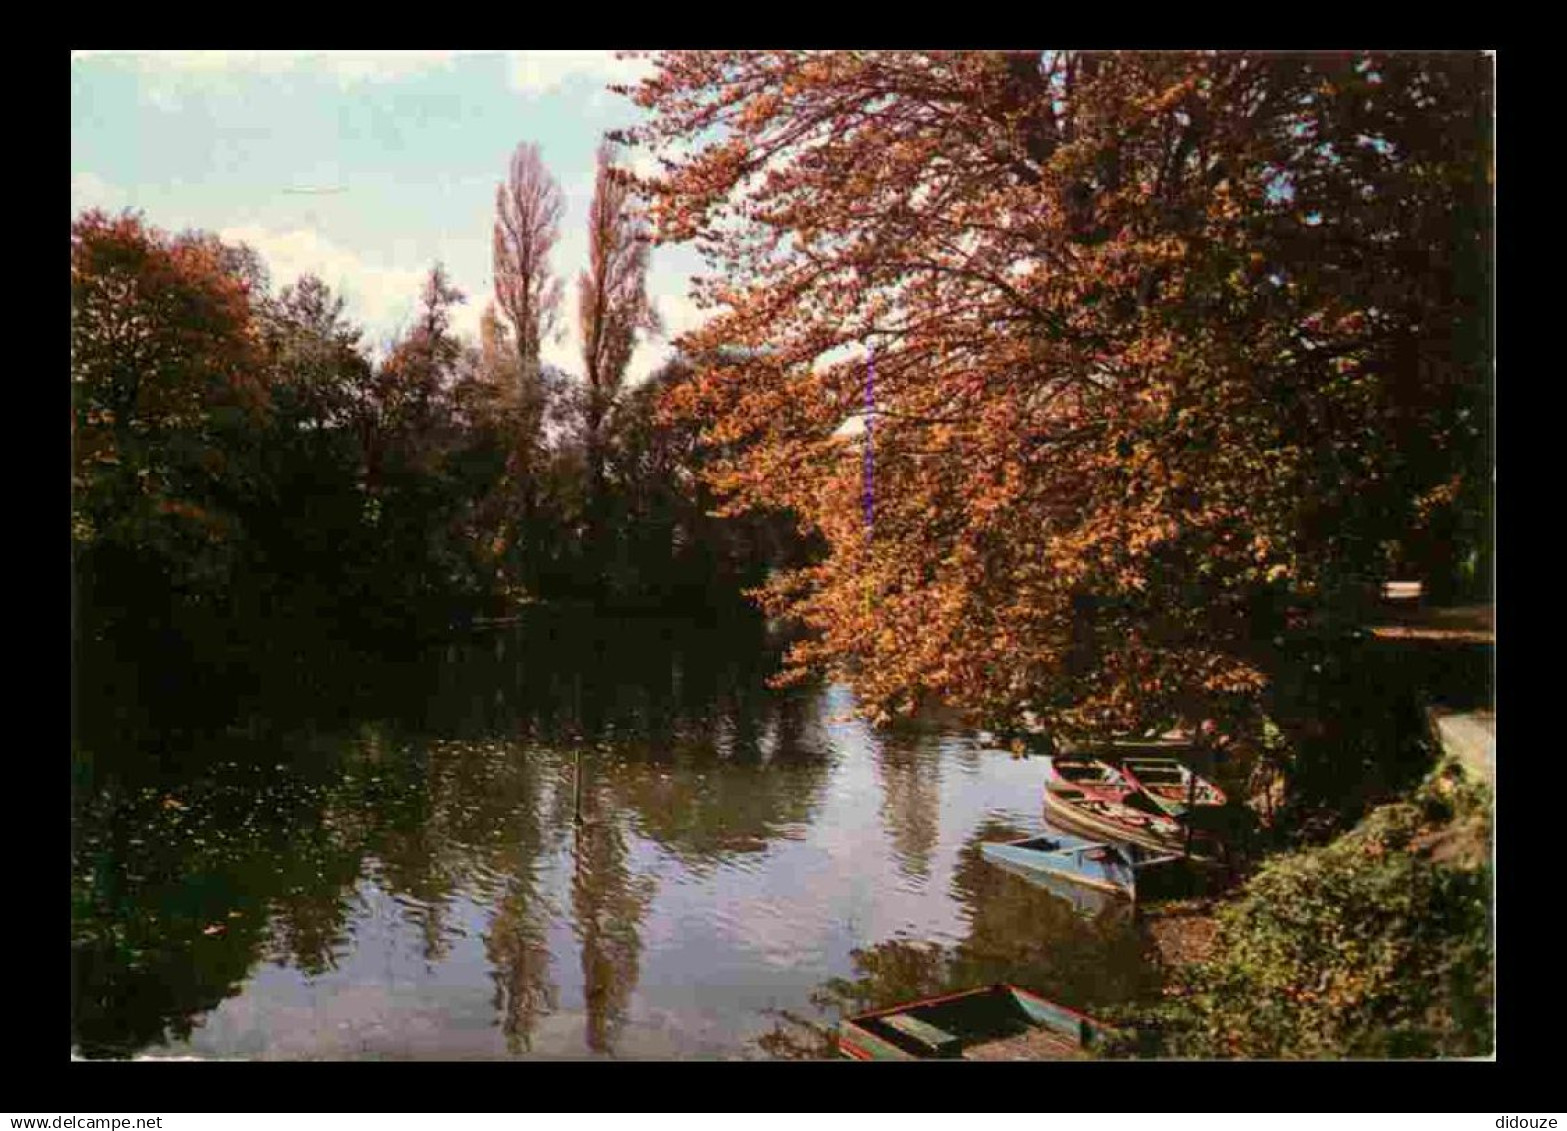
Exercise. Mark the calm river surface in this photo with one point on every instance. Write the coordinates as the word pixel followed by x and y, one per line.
pixel 388 864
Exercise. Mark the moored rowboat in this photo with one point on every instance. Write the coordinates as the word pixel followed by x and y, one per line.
pixel 1111 868
pixel 1120 821
pixel 1171 784
pixel 999 1022
pixel 1091 777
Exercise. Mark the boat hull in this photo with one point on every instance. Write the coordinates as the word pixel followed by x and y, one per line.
pixel 964 1025
pixel 1093 777
pixel 1064 859
pixel 1072 867
pixel 1089 902
pixel 1172 785
pixel 1119 823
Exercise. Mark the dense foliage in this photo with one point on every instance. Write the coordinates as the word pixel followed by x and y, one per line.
pixel 247 478
pixel 167 364
pixel 1377 945
pixel 1170 348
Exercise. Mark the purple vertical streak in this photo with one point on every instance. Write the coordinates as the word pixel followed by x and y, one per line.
pixel 870 408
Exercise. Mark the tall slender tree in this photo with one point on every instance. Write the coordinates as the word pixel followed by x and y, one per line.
pixel 527 226
pixel 613 307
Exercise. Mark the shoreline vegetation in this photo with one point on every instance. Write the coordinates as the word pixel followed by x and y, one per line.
pixel 1375 945
pixel 1179 358
pixel 1367 934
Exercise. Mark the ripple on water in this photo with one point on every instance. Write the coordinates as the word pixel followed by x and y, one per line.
pixel 713 887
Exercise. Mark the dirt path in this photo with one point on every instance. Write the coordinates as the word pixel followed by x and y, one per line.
pixel 1183 932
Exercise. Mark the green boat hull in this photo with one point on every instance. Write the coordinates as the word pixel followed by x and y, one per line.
pixel 962 1025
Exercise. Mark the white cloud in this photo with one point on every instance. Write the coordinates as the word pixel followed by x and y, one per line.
pixel 379 298
pixel 564 349
pixel 168 75
pixel 466 315
pixel 347 66
pixel 578 194
pixel 381 66
pixel 88 190
pixel 539 72
pixel 679 313
pixel 644 163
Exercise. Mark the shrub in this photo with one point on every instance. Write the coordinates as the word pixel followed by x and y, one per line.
pixel 1377 945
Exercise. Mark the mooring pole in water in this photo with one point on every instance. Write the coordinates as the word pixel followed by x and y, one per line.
pixel 576 789
pixel 1191 808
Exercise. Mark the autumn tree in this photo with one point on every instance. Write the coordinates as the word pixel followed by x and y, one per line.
pixel 422 364
pixel 514 522
pixel 488 400
pixel 1165 344
pixel 496 384
pixel 167 376
pixel 613 308
pixel 310 448
pixel 315 353
pixel 671 549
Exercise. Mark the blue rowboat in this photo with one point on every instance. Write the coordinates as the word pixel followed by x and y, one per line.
pixel 1000 1022
pixel 1100 866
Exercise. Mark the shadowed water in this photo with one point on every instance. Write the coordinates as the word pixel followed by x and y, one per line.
pixel 573 838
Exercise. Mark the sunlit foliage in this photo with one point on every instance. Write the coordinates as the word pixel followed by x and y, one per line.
pixel 1165 343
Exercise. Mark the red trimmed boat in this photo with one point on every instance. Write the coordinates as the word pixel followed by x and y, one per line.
pixel 999 1022
pixel 1090 777
pixel 1136 821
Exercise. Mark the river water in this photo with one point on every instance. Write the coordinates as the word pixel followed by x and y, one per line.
pixel 575 838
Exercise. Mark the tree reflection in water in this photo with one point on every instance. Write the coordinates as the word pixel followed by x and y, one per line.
pixel 514 841
pixel 181 883
pixel 1018 933
pixel 909 765
pixel 219 835
pixel 608 903
pixel 438 808
pixel 706 767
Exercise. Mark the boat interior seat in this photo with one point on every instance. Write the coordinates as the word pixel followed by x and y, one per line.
pixel 936 1039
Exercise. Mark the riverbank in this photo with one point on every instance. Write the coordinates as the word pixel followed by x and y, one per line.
pixel 1377 944
pixel 1185 932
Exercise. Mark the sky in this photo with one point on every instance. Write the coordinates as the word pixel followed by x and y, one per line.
pixel 410 147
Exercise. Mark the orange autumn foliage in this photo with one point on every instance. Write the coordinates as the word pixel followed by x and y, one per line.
pixel 166 368
pixel 1162 341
